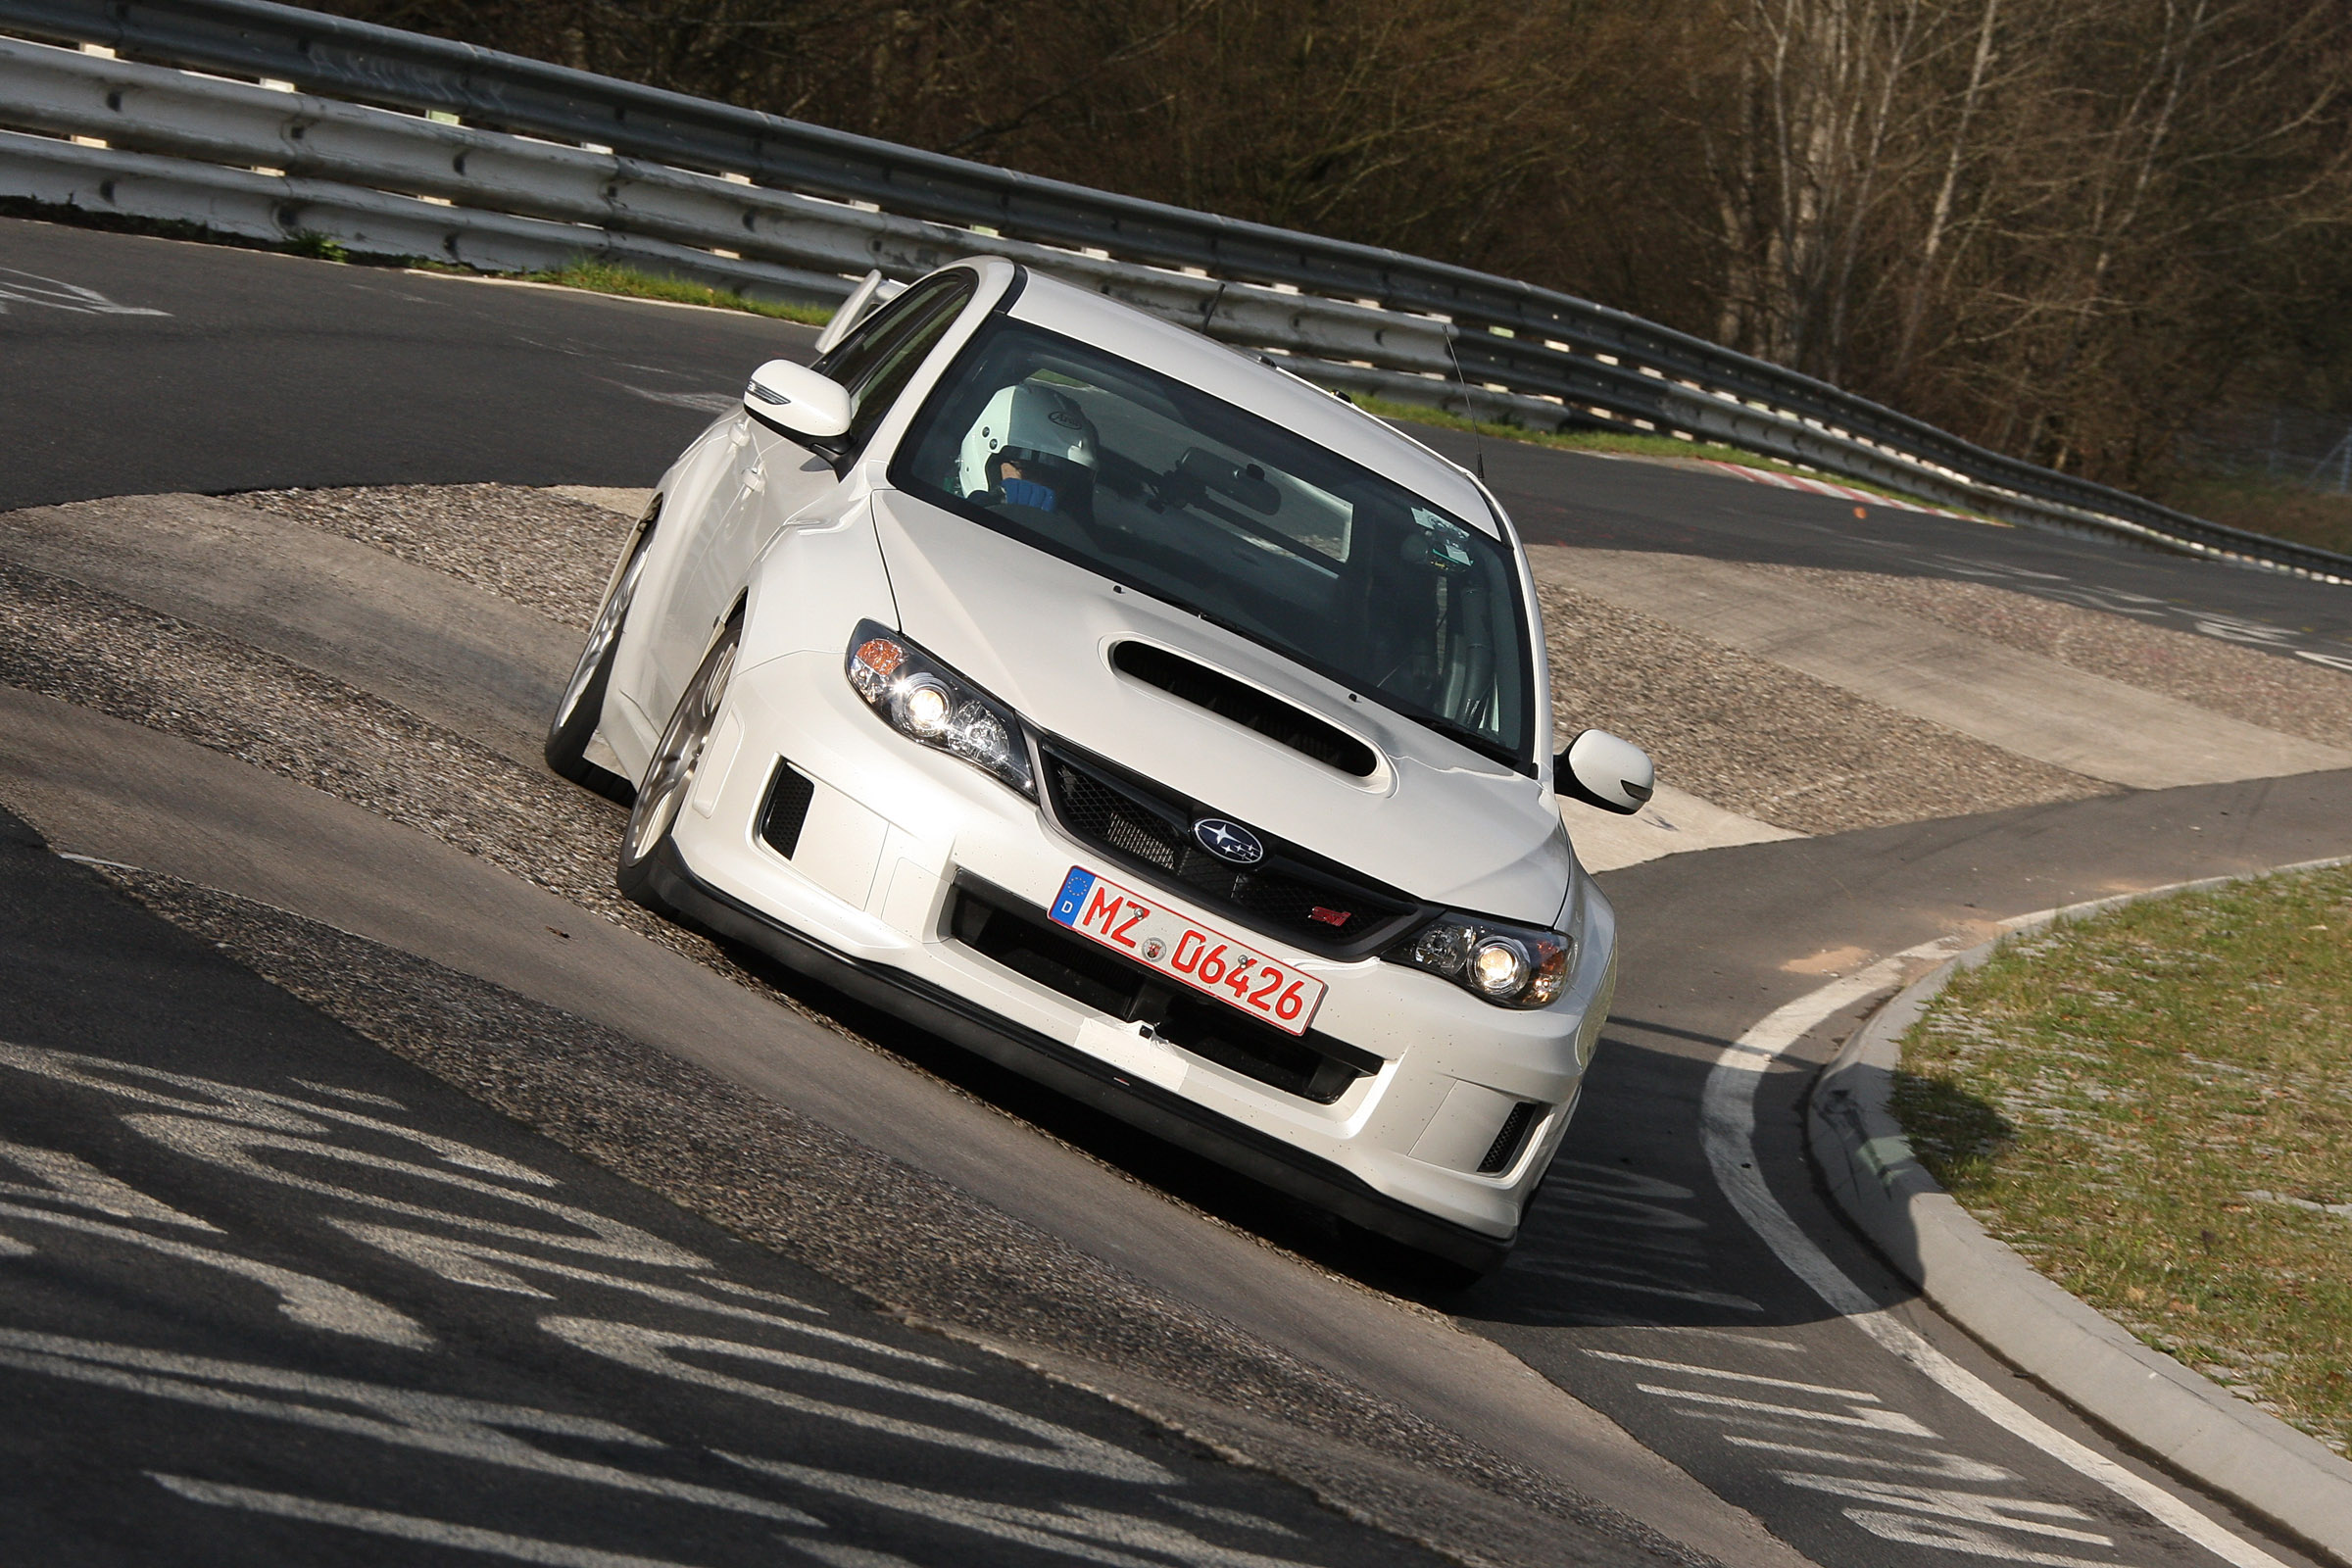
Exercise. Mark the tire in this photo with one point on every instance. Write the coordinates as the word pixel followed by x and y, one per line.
pixel 582 706
pixel 669 776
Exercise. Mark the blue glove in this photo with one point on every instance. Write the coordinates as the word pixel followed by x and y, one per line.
pixel 1028 493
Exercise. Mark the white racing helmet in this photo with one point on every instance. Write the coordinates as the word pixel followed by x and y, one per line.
pixel 1032 446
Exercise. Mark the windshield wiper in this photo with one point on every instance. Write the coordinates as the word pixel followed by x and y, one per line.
pixel 1463 734
pixel 1175 601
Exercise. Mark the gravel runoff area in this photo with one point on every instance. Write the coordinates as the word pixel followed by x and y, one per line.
pixel 103 651
pixel 1745 733
pixel 925 1250
pixel 2286 695
pixel 544 550
pixel 1742 732
pixel 2153 1104
pixel 1767 741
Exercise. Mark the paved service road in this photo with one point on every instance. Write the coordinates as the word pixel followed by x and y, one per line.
pixel 274 1296
pixel 1679 1275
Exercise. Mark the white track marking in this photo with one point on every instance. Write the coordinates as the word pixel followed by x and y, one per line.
pixel 661 1353
pixel 490 1268
pixel 1089 1534
pixel 240 1148
pixel 308 1300
pixel 20 287
pixel 1922 1461
pixel 2029 1516
pixel 479 1430
pixel 91 859
pixel 404 1526
pixel 357 1096
pixel 1727 1124
pixel 1865 1417
pixel 1736 1377
pixel 69 1179
pixel 1746 1342
pixel 1948 1536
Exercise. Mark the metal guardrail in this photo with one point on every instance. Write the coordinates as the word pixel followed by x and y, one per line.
pixel 550 162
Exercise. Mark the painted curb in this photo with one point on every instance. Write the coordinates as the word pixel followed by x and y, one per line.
pixel 2191 1423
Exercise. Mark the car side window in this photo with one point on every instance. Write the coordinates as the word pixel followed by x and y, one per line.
pixel 876 360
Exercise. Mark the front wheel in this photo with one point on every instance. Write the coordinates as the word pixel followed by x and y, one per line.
pixel 669 776
pixel 582 706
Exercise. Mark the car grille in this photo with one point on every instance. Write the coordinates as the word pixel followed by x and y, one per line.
pixel 995 923
pixel 1291 893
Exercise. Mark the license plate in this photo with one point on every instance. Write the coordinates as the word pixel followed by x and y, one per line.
pixel 1166 942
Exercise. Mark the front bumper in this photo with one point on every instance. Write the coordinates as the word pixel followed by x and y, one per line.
pixel 1087 1079
pixel 865 903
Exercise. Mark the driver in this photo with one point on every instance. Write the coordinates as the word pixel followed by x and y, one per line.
pixel 1033 447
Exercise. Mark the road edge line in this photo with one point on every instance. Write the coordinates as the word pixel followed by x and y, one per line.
pixel 2192 1425
pixel 1726 1126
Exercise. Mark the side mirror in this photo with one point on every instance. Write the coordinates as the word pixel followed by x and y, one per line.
pixel 796 401
pixel 1600 769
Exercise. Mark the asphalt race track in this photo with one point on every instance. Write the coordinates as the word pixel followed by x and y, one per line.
pixel 430 1401
pixel 264 371
pixel 165 1372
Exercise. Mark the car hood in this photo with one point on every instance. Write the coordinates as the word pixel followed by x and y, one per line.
pixel 1436 820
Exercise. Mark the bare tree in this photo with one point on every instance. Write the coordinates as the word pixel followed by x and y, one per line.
pixel 1820 104
pixel 2063 227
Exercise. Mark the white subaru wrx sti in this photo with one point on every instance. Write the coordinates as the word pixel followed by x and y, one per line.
pixel 1137 716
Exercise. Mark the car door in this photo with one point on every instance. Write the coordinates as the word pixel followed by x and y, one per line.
pixel 775 477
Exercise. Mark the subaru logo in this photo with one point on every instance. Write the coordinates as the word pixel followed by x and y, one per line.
pixel 1229 841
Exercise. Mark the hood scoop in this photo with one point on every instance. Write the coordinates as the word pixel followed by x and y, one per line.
pixel 1245 705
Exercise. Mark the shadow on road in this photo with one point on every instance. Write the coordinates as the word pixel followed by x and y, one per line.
pixel 1628 1229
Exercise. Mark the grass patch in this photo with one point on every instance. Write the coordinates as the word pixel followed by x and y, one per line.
pixel 317 246
pixel 602 277
pixel 1630 443
pixel 2154 1106
pixel 2267 507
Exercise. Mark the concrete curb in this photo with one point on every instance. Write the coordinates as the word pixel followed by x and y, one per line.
pixel 2191 1423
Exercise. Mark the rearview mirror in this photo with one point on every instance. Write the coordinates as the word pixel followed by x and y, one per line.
pixel 1250 486
pixel 796 401
pixel 1600 769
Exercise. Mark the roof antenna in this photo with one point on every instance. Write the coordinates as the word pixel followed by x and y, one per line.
pixel 1214 300
pixel 1469 409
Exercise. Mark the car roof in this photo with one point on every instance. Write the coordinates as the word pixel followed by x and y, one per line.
pixel 1240 379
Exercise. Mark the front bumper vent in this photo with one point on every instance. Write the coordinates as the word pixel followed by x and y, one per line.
pixel 786 810
pixel 1505 1147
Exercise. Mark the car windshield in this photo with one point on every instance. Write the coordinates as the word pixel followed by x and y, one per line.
pixel 1191 499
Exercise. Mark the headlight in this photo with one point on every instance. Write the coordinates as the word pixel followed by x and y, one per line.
pixel 1508 966
pixel 926 701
